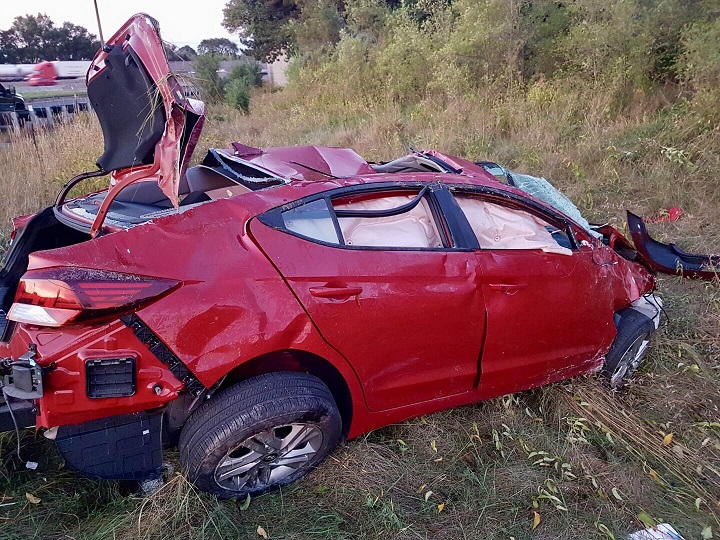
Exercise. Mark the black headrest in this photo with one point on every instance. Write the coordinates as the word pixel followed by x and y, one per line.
pixel 129 108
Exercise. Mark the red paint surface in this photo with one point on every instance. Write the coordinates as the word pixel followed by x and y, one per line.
pixel 420 332
pixel 415 331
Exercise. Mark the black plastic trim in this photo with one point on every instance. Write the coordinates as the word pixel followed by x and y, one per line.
pixel 164 354
pixel 110 377
pixel 123 447
pixel 383 213
pixel 23 410
pixel 459 226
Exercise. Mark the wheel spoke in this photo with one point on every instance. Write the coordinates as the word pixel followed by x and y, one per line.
pixel 294 462
pixel 271 457
pixel 264 474
pixel 236 466
pixel 256 445
pixel 268 439
pixel 298 436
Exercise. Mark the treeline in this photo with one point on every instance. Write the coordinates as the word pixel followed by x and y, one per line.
pixel 414 48
pixel 32 38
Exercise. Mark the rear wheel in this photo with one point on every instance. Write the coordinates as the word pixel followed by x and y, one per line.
pixel 628 349
pixel 260 434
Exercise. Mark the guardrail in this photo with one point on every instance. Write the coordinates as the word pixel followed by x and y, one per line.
pixel 45 112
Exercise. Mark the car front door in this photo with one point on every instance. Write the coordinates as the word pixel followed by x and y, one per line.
pixel 378 275
pixel 549 304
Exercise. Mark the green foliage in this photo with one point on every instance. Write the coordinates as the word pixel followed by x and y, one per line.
pixel 186 52
pixel 250 74
pixel 218 47
pixel 262 25
pixel 32 38
pixel 417 50
pixel 237 94
pixel 173 53
pixel 701 68
pixel 239 84
pixel 206 67
pixel 317 31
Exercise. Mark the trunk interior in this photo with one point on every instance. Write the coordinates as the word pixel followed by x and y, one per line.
pixel 41 233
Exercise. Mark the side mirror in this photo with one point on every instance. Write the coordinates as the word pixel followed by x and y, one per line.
pixel 11 90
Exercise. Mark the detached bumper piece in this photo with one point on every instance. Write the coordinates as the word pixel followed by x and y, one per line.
pixel 24 413
pixel 669 258
pixel 125 447
pixel 22 378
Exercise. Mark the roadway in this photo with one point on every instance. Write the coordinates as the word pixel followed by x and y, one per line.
pixel 63 85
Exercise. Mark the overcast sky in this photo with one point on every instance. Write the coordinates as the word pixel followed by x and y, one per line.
pixel 181 23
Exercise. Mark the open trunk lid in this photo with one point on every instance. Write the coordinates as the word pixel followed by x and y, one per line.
pixel 150 128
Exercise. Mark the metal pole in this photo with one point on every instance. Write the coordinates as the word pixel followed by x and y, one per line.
pixel 97 14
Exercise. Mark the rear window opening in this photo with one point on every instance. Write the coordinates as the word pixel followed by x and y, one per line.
pixel 218 176
pixel 417 162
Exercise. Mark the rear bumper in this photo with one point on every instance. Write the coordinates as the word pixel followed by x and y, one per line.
pixel 78 374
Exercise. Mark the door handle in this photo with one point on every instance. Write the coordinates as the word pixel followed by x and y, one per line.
pixel 507 288
pixel 335 292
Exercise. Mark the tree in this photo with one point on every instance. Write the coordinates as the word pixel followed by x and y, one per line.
pixel 186 52
pixel 219 47
pixel 270 28
pixel 74 42
pixel 206 67
pixel 32 38
pixel 239 84
pixel 262 25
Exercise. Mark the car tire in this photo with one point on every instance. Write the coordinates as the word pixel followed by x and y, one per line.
pixel 260 434
pixel 628 349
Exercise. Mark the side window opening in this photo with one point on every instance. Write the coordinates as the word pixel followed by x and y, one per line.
pixel 312 220
pixel 391 219
pixel 400 220
pixel 502 227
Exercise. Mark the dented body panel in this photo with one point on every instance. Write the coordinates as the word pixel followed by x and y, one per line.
pixel 369 276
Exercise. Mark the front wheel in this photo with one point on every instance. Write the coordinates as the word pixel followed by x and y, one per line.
pixel 260 434
pixel 628 349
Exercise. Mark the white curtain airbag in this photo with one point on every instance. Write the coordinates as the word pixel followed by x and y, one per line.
pixel 498 227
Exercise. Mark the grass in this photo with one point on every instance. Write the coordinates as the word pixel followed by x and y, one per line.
pixel 588 462
pixel 47 94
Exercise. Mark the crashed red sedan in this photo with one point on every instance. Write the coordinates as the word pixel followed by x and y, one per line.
pixel 265 305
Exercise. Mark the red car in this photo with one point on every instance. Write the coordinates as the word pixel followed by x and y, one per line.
pixel 262 307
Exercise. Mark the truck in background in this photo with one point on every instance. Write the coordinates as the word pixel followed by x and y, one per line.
pixel 15 72
pixel 47 73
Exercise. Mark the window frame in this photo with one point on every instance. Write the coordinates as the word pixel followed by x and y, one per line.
pixel 435 193
pixel 512 201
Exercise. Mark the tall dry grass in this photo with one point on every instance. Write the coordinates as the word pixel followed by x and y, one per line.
pixel 590 462
pixel 37 162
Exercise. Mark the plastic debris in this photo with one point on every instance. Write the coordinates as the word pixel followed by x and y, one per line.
pixel 663 531
pixel 672 214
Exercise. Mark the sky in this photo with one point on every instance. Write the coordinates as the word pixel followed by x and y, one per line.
pixel 189 25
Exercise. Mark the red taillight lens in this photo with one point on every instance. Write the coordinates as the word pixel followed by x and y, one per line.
pixel 58 296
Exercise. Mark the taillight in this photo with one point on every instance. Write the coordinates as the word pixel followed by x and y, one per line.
pixel 59 296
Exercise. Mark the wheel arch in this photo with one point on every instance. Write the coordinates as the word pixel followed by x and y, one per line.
pixel 302 361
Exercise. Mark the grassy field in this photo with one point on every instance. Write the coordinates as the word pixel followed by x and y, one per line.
pixel 569 461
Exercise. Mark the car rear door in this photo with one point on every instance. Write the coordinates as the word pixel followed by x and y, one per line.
pixel 549 304
pixel 385 288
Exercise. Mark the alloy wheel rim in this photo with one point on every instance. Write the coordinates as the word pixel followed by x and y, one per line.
pixel 630 361
pixel 269 457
